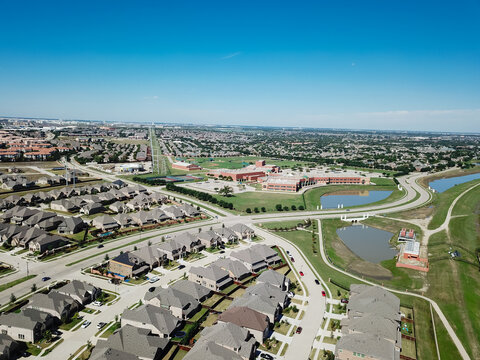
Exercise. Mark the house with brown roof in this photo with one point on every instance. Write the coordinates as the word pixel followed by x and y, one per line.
pixel 254 321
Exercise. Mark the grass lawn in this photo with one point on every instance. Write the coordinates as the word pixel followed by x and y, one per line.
pixel 210 320
pixel 212 300
pixel 223 305
pixel 282 328
pixel 289 312
pixel 50 349
pixel 284 350
pixel 237 293
pixel 199 315
pixel 329 340
pixel 229 288
pixel 111 329
pixel 271 346
pixel 84 353
pixel 88 310
pixel 73 322
pixel 408 348
pixel 10 284
pixel 180 354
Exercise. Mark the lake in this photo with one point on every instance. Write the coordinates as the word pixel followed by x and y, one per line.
pixel 352 198
pixel 442 185
pixel 368 243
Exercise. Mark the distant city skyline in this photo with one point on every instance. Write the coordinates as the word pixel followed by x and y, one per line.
pixel 348 64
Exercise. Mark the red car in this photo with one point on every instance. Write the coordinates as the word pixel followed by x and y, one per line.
pixel 301 273
pixel 293 260
pixel 323 293
pixel 299 330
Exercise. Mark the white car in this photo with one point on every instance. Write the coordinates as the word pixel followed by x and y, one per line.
pixel 153 279
pixel 86 324
pixel 290 294
pixel 97 303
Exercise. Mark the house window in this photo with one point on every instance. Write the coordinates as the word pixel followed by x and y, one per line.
pixel 21 336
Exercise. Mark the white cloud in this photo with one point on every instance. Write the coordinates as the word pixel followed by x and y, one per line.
pixel 229 56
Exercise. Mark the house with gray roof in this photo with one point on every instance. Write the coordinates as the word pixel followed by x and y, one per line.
pixel 71 225
pixel 223 341
pixel 24 237
pixel 243 231
pixel 251 259
pixel 28 325
pixel 50 224
pixel 236 269
pixel 124 220
pixel 189 210
pixel 64 205
pixel 118 207
pixel 259 303
pixel 21 214
pixel 227 235
pixel 209 238
pixel 212 277
pixel 127 265
pixel 54 303
pixel 158 215
pixel 181 245
pixel 136 341
pixel 9 232
pixel 274 278
pixel 92 208
pixel 173 212
pixel 47 242
pixel 106 353
pixel 159 321
pixel 8 347
pixel 270 292
pixel 361 345
pixel 142 218
pixel 197 291
pixel 39 217
pixel 181 305
pixel 105 223
pixel 366 299
pixel 375 325
pixel 80 291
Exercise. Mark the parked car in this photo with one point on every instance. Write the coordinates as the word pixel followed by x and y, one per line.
pixel 46 278
pixel 323 293
pixel 292 259
pixel 97 303
pixel 288 252
pixel 301 273
pixel 299 330
pixel 153 279
pixel 101 325
pixel 290 294
pixel 317 282
pixel 86 324
pixel 344 301
pixel 222 251
pixel 181 267
pixel 266 356
pixel 100 246
pixel 152 289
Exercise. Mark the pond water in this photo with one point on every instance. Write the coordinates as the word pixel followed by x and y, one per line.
pixel 441 185
pixel 368 243
pixel 352 198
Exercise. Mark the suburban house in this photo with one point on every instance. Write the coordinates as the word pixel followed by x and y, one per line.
pixel 71 225
pixel 46 242
pixel 39 217
pixel 64 205
pixel 50 224
pixel 92 208
pixel 138 342
pixel 274 278
pixel 227 235
pixel 236 269
pixel 189 210
pixel 259 303
pixel 271 292
pixel 127 265
pixel 372 327
pixel 197 291
pixel 243 231
pixel 80 291
pixel 124 220
pixel 181 305
pixel 142 218
pixel 173 212
pixel 180 246
pixel 8 347
pixel 257 257
pixel 159 321
pixel 212 277
pixel 28 325
pixel 118 207
pixel 254 321
pixel 226 341
pixel 105 223
pixel 209 238
pixel 54 303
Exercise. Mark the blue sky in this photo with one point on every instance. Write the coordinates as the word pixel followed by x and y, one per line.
pixel 352 64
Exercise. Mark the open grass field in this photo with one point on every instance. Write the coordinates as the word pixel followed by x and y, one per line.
pixel 310 200
pixel 237 162
pixel 423 323
pixel 455 285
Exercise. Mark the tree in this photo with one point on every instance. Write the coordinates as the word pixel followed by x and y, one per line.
pixel 107 257
pixel 248 210
pixel 135 248
pixel 34 287
pixel 279 207
pixel 226 191
pixel 256 210
pixel 48 336
pixel 294 207
pixel 13 298
pixel 301 208
pixel 263 209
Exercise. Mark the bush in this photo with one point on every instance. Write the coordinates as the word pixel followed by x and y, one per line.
pixel 294 207
pixel 263 209
pixel 248 210
pixel 256 210
pixel 301 207
pixel 278 207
